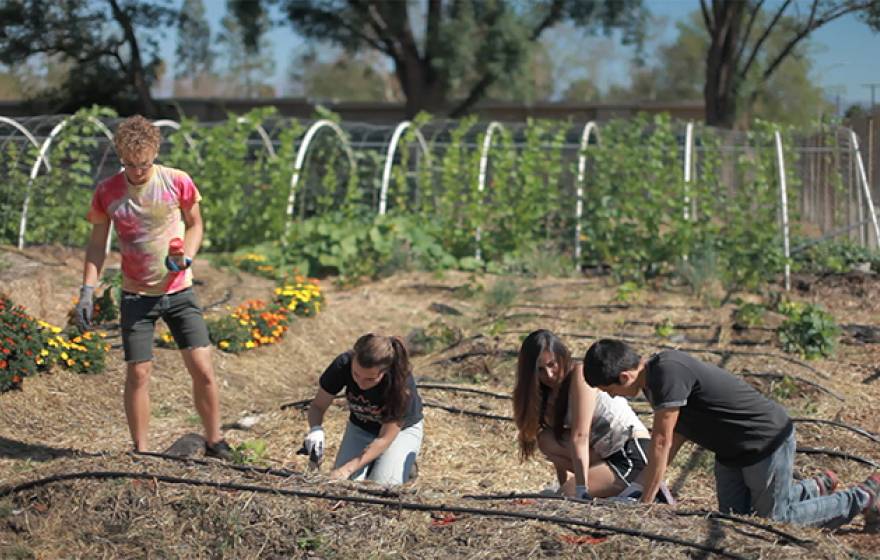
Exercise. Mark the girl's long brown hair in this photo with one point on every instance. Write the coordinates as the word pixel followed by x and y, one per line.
pixel 390 354
pixel 530 396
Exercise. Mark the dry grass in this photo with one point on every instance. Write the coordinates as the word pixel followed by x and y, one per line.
pixel 43 426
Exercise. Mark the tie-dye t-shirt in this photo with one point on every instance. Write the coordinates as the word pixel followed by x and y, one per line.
pixel 146 217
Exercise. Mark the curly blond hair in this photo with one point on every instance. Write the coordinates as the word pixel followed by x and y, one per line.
pixel 136 137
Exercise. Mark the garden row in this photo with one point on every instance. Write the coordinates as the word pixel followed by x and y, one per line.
pixel 639 217
pixel 29 346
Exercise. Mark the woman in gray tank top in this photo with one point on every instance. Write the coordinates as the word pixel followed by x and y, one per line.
pixel 582 431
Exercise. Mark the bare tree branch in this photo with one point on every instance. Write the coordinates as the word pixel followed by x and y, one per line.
pixel 707 17
pixel 761 40
pixel 748 32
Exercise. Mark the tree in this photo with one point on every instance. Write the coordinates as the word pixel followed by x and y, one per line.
pixel 739 47
pixel 341 77
pixel 194 57
pixel 249 68
pixel 789 95
pixel 110 63
pixel 438 48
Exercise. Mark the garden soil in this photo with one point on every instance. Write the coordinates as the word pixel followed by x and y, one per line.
pixel 105 502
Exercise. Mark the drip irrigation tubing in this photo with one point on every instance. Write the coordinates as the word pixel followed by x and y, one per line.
pixel 838 454
pixel 773 375
pixel 687 513
pixel 855 429
pixel 396 504
pixel 460 389
pixel 475 353
pixel 456 410
pixel 605 306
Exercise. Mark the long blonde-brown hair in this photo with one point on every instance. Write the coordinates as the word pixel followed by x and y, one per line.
pixel 530 395
pixel 390 354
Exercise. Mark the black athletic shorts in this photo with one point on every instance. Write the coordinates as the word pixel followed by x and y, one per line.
pixel 628 462
pixel 179 310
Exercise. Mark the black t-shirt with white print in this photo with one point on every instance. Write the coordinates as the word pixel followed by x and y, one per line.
pixel 717 410
pixel 366 406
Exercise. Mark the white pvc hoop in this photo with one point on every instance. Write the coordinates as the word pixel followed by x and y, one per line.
pixel 44 150
pixel 267 142
pixel 688 167
pixel 783 199
pixel 301 158
pixel 27 133
pixel 481 178
pixel 176 126
pixel 589 129
pixel 389 160
pixel 865 186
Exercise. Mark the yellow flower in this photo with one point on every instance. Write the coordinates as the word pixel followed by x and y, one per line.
pixel 242 322
pixel 249 344
pixel 64 355
pixel 87 363
pixel 44 352
pixel 224 344
pixel 56 330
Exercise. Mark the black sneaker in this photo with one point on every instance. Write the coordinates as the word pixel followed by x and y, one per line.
pixel 220 450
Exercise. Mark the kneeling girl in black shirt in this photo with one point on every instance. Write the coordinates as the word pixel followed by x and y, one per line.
pixel 385 425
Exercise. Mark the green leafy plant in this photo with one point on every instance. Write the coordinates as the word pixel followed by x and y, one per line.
pixel 808 330
pixel 250 452
pixel 500 295
pixel 749 315
pixel 665 328
pixel 784 388
pixel 627 292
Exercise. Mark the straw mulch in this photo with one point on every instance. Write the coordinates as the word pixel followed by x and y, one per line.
pixel 46 428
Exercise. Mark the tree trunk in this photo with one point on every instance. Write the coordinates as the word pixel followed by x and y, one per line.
pixel 722 82
pixel 135 72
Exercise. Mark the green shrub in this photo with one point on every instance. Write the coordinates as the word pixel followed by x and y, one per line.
pixel 808 330
pixel 749 315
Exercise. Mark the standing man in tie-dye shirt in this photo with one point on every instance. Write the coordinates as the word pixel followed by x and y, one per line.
pixel 150 205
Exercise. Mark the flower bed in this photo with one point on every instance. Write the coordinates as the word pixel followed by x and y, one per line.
pixel 29 346
pixel 256 322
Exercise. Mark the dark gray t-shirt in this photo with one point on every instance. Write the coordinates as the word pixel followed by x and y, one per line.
pixel 717 410
pixel 366 406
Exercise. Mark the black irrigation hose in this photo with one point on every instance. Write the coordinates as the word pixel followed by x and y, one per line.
pixel 777 376
pixel 386 493
pixel 806 543
pixel 456 410
pixel 838 454
pixel 412 506
pixel 461 389
pixel 604 306
pixel 474 353
pixel 856 429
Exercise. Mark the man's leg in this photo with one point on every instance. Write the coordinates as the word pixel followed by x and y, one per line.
pixel 733 493
pixel 774 495
pixel 137 402
pixel 138 316
pixel 184 318
pixel 206 394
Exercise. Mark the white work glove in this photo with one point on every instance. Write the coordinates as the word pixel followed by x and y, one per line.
pixel 314 442
pixel 582 493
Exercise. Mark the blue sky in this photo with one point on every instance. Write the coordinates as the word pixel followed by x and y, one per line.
pixel 844 52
